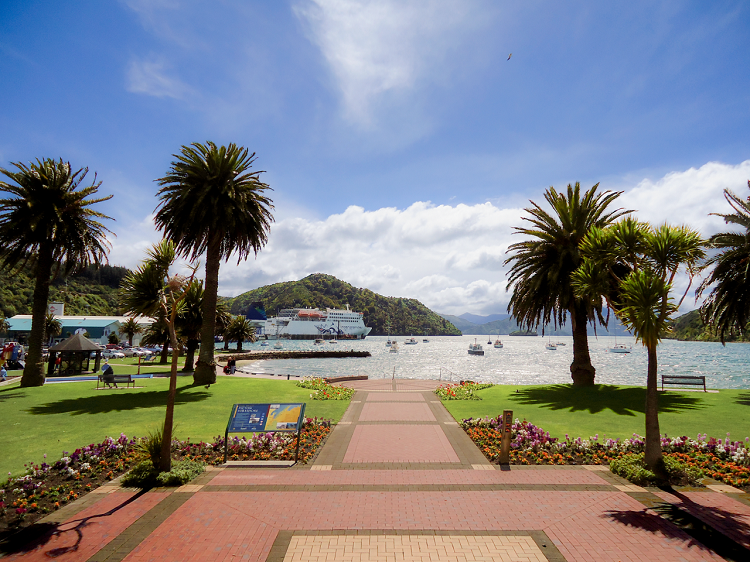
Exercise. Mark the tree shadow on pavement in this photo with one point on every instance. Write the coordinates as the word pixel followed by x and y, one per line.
pixel 624 401
pixel 701 523
pixel 115 402
pixel 39 534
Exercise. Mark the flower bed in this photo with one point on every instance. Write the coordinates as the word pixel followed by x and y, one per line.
pixel 260 446
pixel 45 488
pixel 724 460
pixel 463 391
pixel 325 391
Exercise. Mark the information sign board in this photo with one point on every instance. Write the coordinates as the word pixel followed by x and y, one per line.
pixel 260 418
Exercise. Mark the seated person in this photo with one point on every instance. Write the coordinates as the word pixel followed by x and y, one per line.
pixel 108 375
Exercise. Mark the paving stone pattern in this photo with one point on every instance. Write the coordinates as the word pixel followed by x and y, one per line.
pixel 397 480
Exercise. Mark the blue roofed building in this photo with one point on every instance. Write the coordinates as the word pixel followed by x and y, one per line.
pixel 98 328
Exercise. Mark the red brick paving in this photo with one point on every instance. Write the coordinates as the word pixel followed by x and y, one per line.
pixel 399 443
pixel 395 397
pixel 396 411
pixel 720 511
pixel 243 477
pixel 585 526
pixel 80 538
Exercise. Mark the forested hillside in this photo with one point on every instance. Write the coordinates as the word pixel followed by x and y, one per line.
pixel 406 316
pixel 93 291
pixel 690 327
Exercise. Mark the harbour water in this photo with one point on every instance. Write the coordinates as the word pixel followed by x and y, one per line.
pixel 522 360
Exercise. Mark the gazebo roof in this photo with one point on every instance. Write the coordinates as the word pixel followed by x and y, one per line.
pixel 76 342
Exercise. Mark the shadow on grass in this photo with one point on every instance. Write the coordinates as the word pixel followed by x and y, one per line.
pixel 594 399
pixel 701 523
pixel 116 402
pixel 743 399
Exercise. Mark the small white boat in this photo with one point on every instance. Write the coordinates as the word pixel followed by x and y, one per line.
pixel 476 348
pixel 620 348
pixel 264 344
pixel 498 344
pixel 550 347
pixel 278 345
pixel 319 341
pixel 389 343
pixel 334 341
pixel 410 341
pixel 425 340
pixel 394 347
pixel 560 344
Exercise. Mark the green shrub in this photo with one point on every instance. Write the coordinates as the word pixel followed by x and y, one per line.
pixel 182 472
pixel 144 475
pixel 150 446
pixel 631 467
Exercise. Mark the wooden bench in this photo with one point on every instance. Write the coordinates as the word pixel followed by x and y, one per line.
pixel 683 380
pixel 127 380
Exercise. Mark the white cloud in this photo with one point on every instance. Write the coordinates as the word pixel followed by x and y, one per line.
pixel 379 52
pixel 689 197
pixel 151 77
pixel 449 257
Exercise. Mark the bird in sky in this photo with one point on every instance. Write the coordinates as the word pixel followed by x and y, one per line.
pixel 510 55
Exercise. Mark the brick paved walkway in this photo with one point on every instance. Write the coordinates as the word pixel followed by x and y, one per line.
pixel 397 480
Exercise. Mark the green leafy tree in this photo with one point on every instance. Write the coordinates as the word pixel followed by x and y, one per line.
pixel 190 321
pixel 113 339
pixel 52 327
pixel 542 265
pixel 223 319
pixel 240 329
pixel 46 220
pixel 641 299
pixel 157 335
pixel 152 291
pixel 727 306
pixel 4 325
pixel 130 328
pixel 211 202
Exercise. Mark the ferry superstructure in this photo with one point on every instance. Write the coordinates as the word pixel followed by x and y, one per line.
pixel 313 323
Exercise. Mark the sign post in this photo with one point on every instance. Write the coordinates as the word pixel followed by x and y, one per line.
pixel 505 444
pixel 265 418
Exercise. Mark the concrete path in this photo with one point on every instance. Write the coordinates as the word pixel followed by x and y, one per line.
pixel 398 480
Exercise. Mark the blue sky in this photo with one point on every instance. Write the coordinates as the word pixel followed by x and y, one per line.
pixel 400 142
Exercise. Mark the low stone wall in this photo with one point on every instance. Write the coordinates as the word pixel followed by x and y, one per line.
pixel 332 380
pixel 260 355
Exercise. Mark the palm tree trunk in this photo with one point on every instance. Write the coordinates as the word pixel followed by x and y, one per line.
pixel 192 345
pixel 226 343
pixel 165 353
pixel 653 457
pixel 33 371
pixel 165 457
pixel 239 344
pixel 581 369
pixel 205 370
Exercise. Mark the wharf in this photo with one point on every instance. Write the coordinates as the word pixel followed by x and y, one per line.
pixel 260 355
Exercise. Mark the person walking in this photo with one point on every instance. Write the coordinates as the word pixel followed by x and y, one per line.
pixel 3 374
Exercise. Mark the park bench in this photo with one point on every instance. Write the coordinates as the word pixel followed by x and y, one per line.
pixel 683 380
pixel 107 379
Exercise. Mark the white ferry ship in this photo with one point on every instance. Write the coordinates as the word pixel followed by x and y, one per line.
pixel 313 323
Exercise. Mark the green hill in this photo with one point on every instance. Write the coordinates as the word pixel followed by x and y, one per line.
pixel 91 292
pixel 406 316
pixel 690 327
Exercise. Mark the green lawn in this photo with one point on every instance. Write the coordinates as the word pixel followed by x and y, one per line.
pixel 614 411
pixel 62 417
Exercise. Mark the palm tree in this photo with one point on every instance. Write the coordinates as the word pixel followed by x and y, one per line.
pixel 157 335
pixel 52 327
pixel 212 203
pixel 727 307
pixel 239 330
pixel 653 257
pixel 130 328
pixel 46 221
pixel 150 290
pixel 542 266
pixel 189 322
pixel 223 318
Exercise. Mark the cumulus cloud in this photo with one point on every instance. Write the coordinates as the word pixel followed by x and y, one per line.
pixel 380 51
pixel 449 257
pixel 688 197
pixel 151 77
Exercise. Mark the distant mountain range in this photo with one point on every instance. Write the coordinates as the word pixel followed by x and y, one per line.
pixel 504 325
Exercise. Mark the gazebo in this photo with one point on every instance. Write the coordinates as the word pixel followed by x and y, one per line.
pixel 75 356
